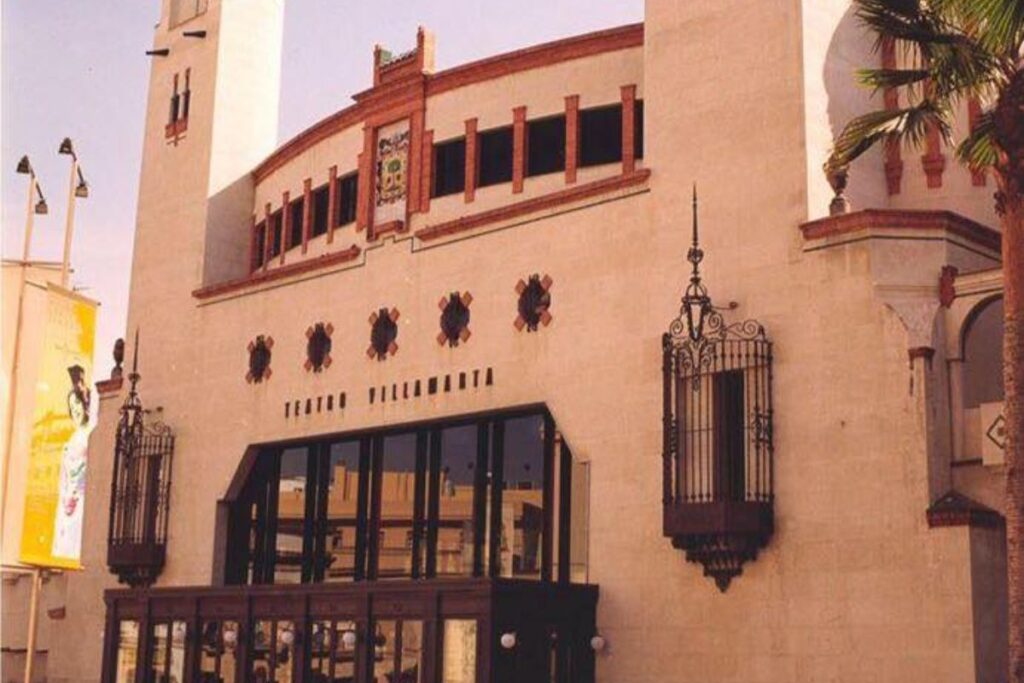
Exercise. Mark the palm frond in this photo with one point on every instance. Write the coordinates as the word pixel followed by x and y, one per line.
pixel 909 126
pixel 979 149
pixel 880 79
pixel 997 25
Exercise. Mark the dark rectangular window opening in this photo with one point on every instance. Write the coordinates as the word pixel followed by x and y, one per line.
pixel 261 244
pixel 545 145
pixel 449 167
pixel 730 435
pixel 601 135
pixel 464 497
pixel 638 129
pixel 348 187
pixel 495 149
pixel 297 209
pixel 321 205
pixel 275 232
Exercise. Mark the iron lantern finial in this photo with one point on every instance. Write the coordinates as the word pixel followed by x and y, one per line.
pixel 696 302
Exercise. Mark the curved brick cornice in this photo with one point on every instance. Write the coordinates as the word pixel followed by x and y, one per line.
pixel 382 98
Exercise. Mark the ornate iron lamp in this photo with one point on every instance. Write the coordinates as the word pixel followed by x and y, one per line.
pixel 717 446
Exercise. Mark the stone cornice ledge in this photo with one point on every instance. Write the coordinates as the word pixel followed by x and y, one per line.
pixel 534 204
pixel 902 220
pixel 290 270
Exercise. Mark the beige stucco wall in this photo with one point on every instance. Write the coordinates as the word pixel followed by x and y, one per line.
pixel 852 586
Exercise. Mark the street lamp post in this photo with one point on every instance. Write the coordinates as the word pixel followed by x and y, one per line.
pixel 34 207
pixel 77 187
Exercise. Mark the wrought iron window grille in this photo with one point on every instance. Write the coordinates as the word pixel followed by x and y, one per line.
pixel 140 491
pixel 718 435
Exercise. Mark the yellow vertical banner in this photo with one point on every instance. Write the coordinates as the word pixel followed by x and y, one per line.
pixel 64 415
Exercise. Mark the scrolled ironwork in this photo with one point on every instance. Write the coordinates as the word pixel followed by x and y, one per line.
pixel 140 491
pixel 718 449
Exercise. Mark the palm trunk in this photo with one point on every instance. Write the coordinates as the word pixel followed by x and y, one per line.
pixel 1009 136
pixel 1013 354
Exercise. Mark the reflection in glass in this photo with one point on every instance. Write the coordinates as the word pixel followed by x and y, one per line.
pixel 284 651
pixel 458 659
pixel 291 512
pixel 579 521
pixel 397 497
pixel 167 652
pixel 158 652
pixel 218 646
pixel 342 508
pixel 397 651
pixel 127 651
pixel 455 501
pixel 522 498
pixel 332 654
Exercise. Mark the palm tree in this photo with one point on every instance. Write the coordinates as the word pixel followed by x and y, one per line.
pixel 949 51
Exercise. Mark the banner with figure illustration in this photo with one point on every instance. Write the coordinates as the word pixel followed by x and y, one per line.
pixel 65 412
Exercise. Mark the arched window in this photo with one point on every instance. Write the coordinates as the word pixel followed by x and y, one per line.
pixel 983 355
pixel 982 383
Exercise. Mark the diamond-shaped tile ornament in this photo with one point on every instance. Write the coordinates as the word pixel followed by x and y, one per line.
pixel 534 302
pixel 454 318
pixel 318 347
pixel 259 359
pixel 383 334
pixel 996 432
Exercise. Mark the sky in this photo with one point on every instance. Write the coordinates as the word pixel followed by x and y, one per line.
pixel 78 69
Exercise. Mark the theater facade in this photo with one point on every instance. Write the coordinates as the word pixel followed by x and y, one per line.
pixel 562 365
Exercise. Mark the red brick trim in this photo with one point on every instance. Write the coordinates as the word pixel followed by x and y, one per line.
pixel 518 148
pixel 527 206
pixel 471 158
pixel 109 386
pixel 290 270
pixel 947 285
pixel 575 47
pixel 427 176
pixel 956 509
pixel 915 352
pixel 286 220
pixel 252 243
pixel 973 114
pixel 269 235
pixel 893 162
pixel 412 178
pixel 364 201
pixel 332 201
pixel 628 128
pixel 307 211
pixel 572 135
pixel 395 226
pixel 897 219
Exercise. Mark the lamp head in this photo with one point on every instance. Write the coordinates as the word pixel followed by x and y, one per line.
pixel 82 190
pixel 66 147
pixel 24 166
pixel 41 208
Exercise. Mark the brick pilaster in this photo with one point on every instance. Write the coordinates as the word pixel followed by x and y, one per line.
pixel 332 201
pixel 364 201
pixel 307 212
pixel 893 162
pixel 285 224
pixel 628 128
pixel 518 148
pixel 471 157
pixel 427 175
pixel 268 235
pixel 572 126
pixel 253 241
